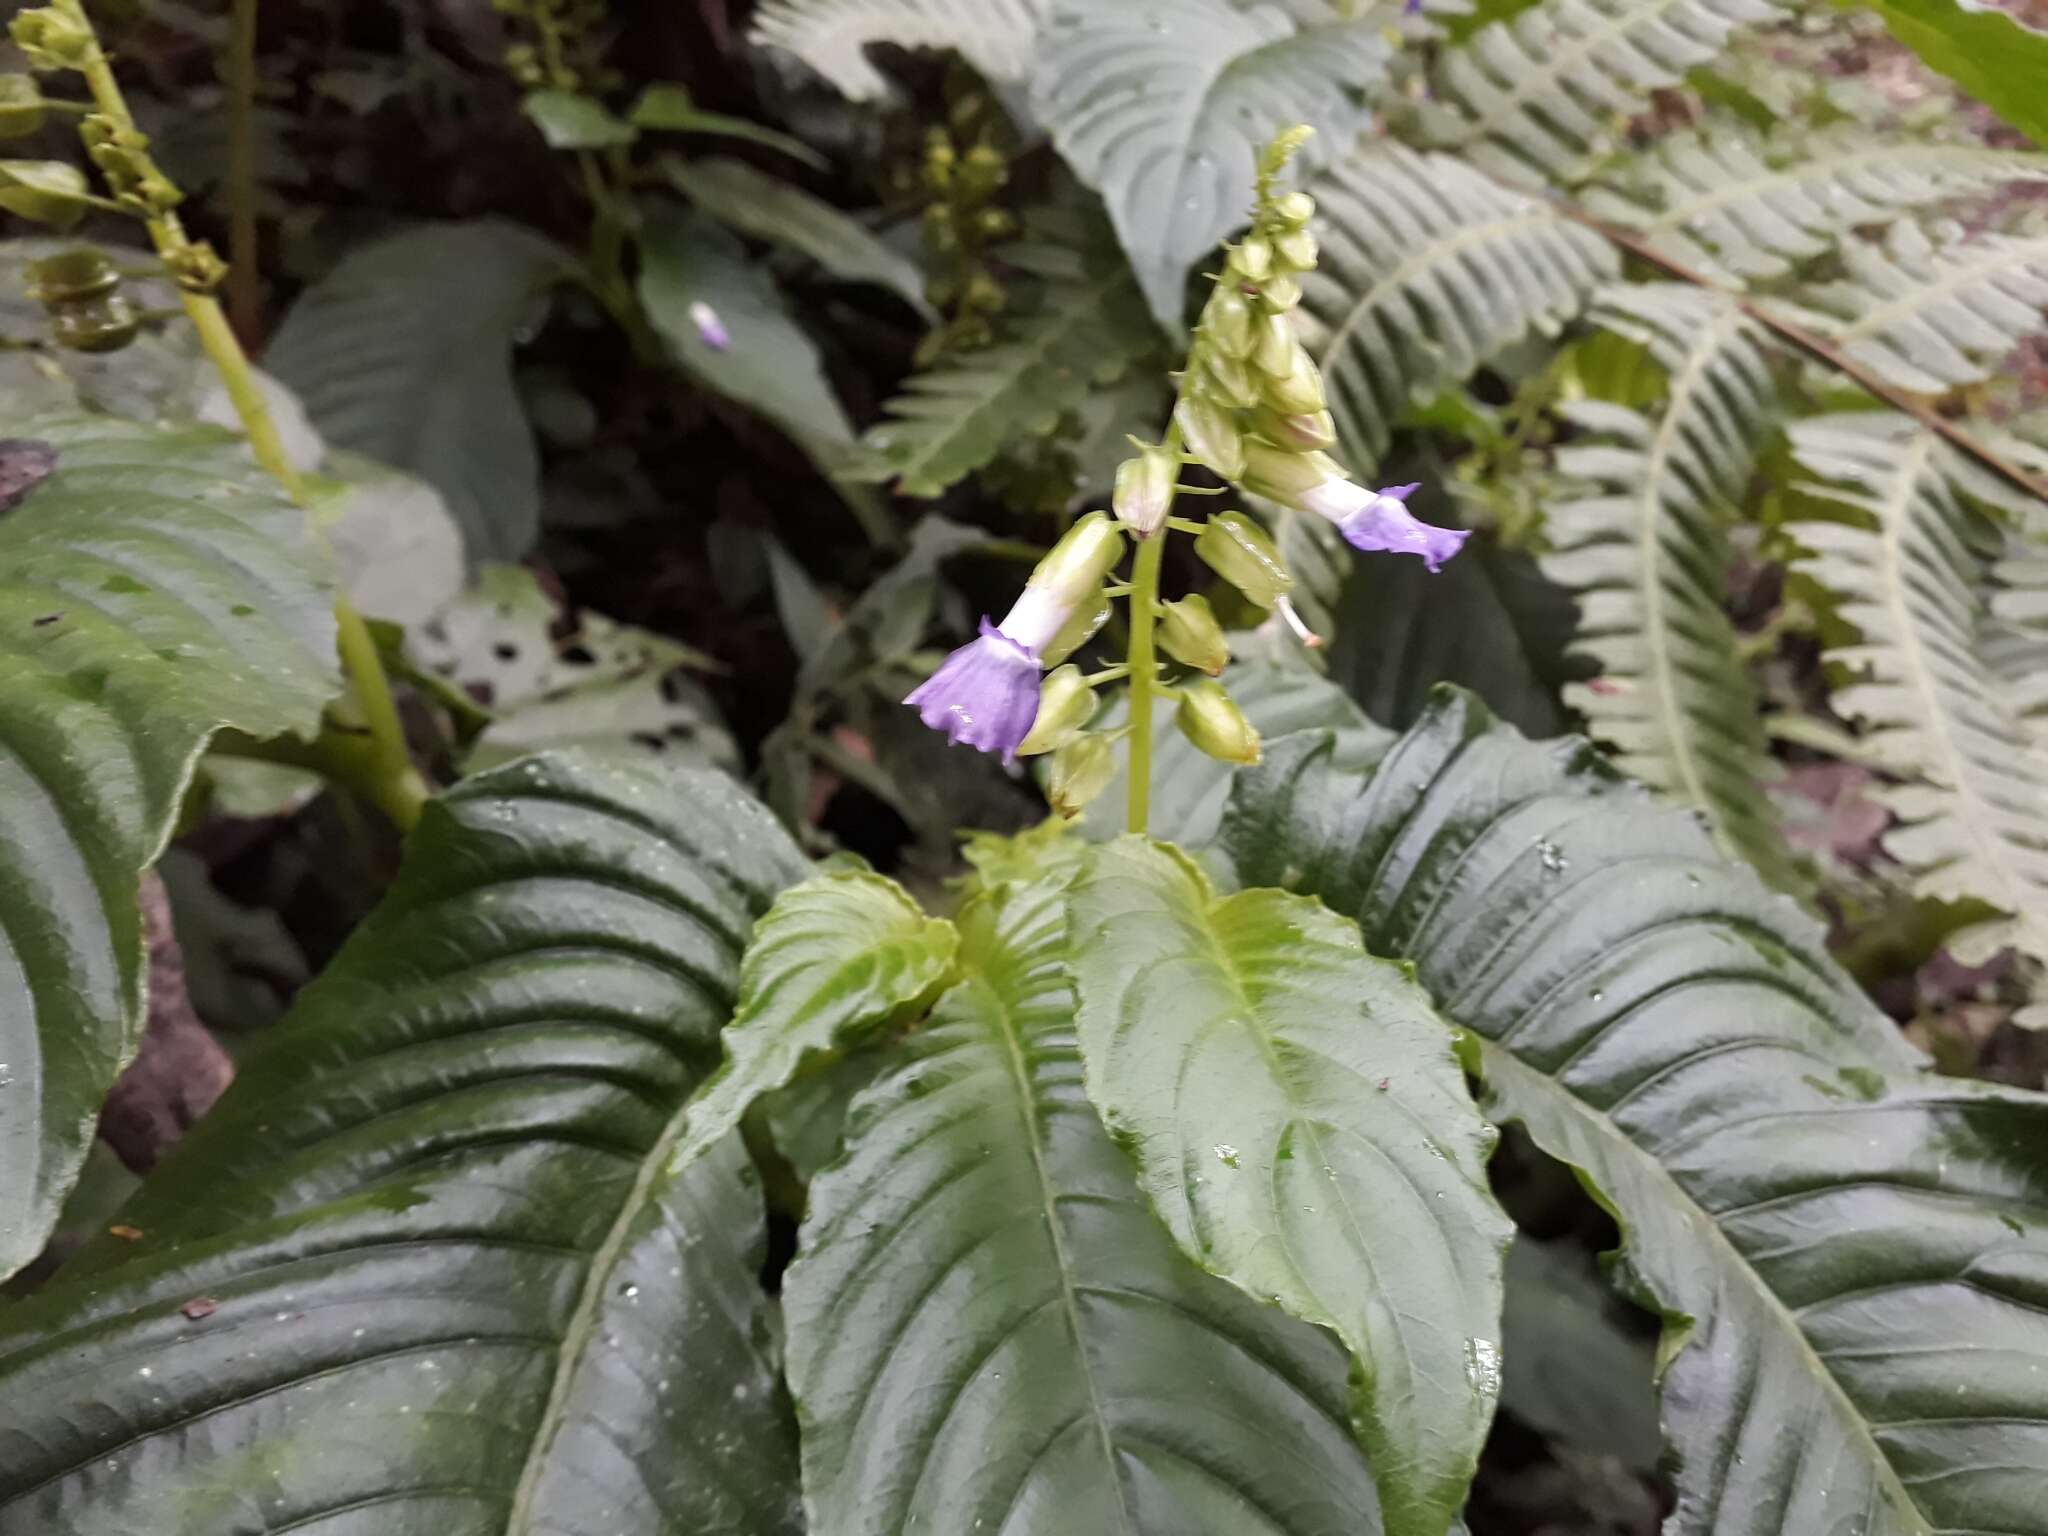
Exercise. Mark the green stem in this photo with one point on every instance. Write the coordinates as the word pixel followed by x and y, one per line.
pixel 1144 609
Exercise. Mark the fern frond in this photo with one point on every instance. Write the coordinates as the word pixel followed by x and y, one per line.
pixel 1732 206
pixel 1163 108
pixel 1930 317
pixel 1647 553
pixel 1911 576
pixel 998 37
pixel 1428 270
pixel 1541 96
pixel 1088 325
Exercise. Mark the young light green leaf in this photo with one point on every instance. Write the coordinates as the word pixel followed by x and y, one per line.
pixel 834 959
pixel 743 199
pixel 403 353
pixel 983 1232
pixel 570 120
pixel 1163 108
pixel 668 106
pixel 1300 1123
pixel 154 587
pixel 1848 1252
pixel 427 1264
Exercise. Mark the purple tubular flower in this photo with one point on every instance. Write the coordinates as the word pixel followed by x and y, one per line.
pixel 1377 520
pixel 984 695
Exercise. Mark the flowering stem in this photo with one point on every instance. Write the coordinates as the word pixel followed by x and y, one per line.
pixel 400 791
pixel 1144 678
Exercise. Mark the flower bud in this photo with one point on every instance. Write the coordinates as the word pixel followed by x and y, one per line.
pixel 51 39
pixel 1296 209
pixel 1301 390
pixel 1212 721
pixel 1065 705
pixel 1088 616
pixel 1211 436
pixel 1273 350
pixel 1189 633
pixel 1081 770
pixel 21 112
pixel 80 289
pixel 1308 431
pixel 1280 294
pixel 1241 552
pixel 1254 259
pixel 1144 489
pixel 1285 476
pixel 1085 554
pixel 48 191
pixel 1296 249
pixel 1233 381
pixel 1228 320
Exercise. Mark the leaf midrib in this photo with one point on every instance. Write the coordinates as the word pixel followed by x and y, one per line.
pixel 1493 1055
pixel 1950 278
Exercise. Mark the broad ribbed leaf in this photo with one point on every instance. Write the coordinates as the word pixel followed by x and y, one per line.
pixel 1428 271
pixel 427 1268
pixel 1543 95
pixel 1648 555
pixel 153 589
pixel 404 353
pixel 988 1329
pixel 1086 327
pixel 1912 575
pixel 1851 1255
pixel 1929 317
pixel 1163 107
pixel 838 956
pixel 832 36
pixel 1735 207
pixel 768 208
pixel 1300 1122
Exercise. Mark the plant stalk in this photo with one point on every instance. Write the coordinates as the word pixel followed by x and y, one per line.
pixel 1144 670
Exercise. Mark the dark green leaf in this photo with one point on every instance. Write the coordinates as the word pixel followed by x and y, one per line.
pixel 989 1331
pixel 666 106
pixel 154 588
pixel 427 1267
pixel 1989 52
pixel 1300 1122
pixel 404 353
pixel 1851 1255
pixel 570 121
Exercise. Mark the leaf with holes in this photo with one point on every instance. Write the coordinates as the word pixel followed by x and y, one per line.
pixel 1163 107
pixel 989 1330
pixel 403 353
pixel 154 587
pixel 1851 1255
pixel 451 1280
pixel 1300 1122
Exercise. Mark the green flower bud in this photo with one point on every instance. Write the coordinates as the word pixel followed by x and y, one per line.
pixel 1144 489
pixel 1273 351
pixel 48 191
pixel 1242 553
pixel 1208 718
pixel 1065 705
pixel 1228 320
pixel 78 288
pixel 1280 294
pixel 1211 436
pixel 1233 381
pixel 21 108
pixel 1274 157
pixel 1089 615
pixel 1296 249
pixel 51 39
pixel 1307 431
pixel 1253 259
pixel 1076 565
pixel 982 171
pixel 1188 632
pixel 1284 476
pixel 1295 209
pixel 1301 390
pixel 1081 770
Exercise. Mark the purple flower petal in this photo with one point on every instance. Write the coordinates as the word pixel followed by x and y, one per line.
pixel 1384 524
pixel 984 695
pixel 710 329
